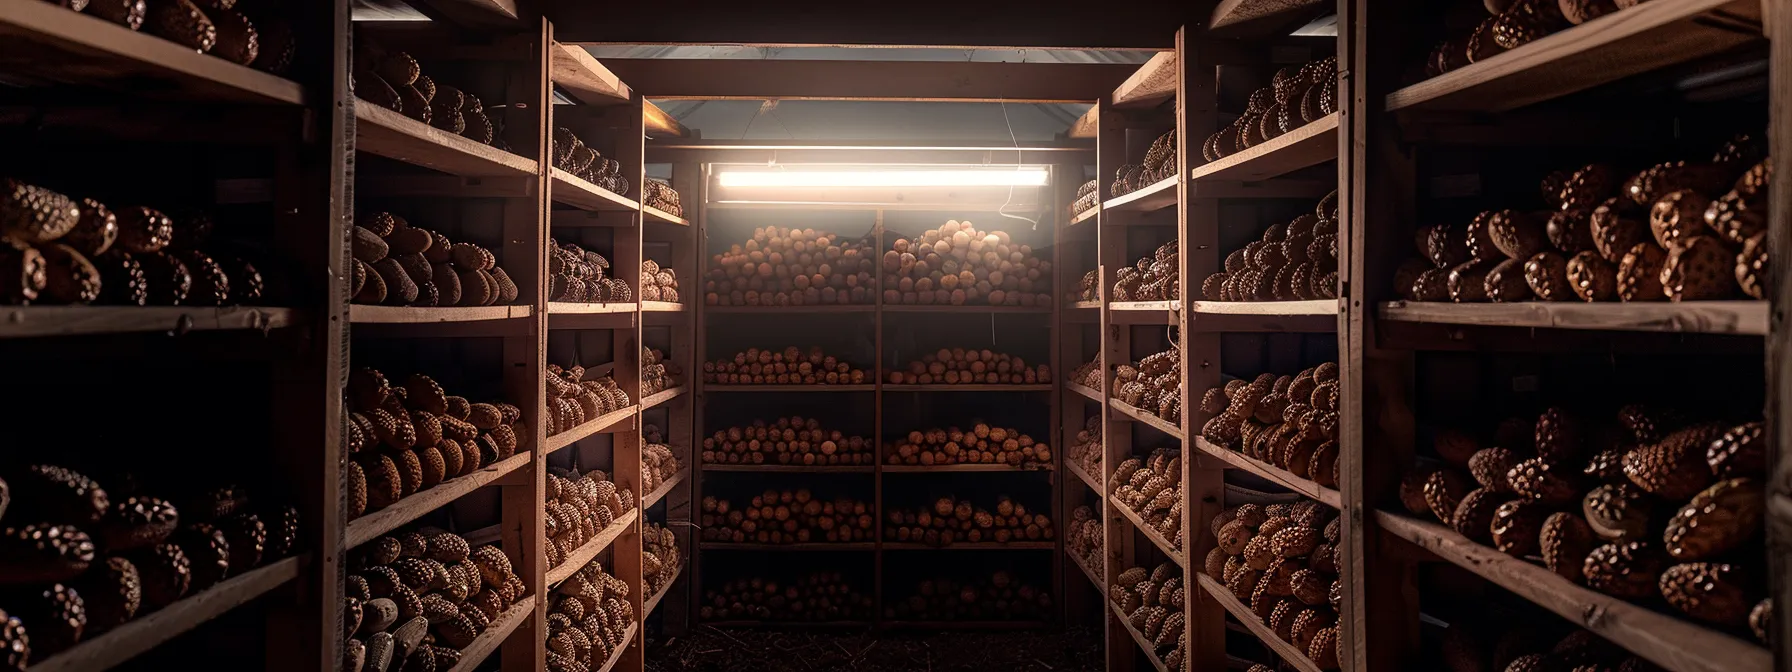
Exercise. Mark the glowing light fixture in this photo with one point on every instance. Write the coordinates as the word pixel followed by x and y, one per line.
pixel 1006 177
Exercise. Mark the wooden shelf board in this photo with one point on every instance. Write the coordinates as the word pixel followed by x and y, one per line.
pixel 1139 637
pixel 583 78
pixel 1101 587
pixel 976 309
pixel 608 422
pixel 1711 317
pixel 43 41
pixel 1231 13
pixel 772 310
pixel 1086 126
pixel 386 133
pixel 792 468
pixel 1319 307
pixel 360 314
pixel 1155 196
pixel 664 307
pixel 654 602
pixel 1084 305
pixel 1314 143
pixel 663 396
pixel 1085 215
pixel 1311 316
pixel 1666 640
pixel 1144 306
pixel 1158 540
pixel 125 642
pixel 570 189
pixel 366 528
pixel 793 548
pixel 1647 37
pixel 507 622
pixel 943 468
pixel 866 387
pixel 1088 479
pixel 656 214
pixel 582 556
pixel 1282 477
pixel 970 387
pixel 1085 392
pixel 1153 83
pixel 1155 422
pixel 628 637
pixel 590 308
pixel 967 546
pixel 40 321
pixel 664 489
pixel 1289 652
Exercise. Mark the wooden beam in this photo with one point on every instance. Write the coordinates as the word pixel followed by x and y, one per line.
pixel 869 80
pixel 584 79
pixel 1153 83
pixel 1059 24
pixel 1085 125
pixel 478 13
pixel 661 125
pixel 1236 18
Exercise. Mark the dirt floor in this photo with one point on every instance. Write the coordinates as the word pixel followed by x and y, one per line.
pixel 708 649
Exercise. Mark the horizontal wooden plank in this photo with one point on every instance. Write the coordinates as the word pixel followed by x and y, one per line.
pixel 1289 653
pixel 883 152
pixel 591 308
pixel 1101 587
pixel 663 396
pixel 1327 496
pixel 1314 143
pixel 1710 317
pixel 1640 39
pixel 368 527
pixel 362 314
pixel 45 43
pixel 619 420
pixel 1155 196
pixel 1311 316
pixel 1231 16
pixel 1151 419
pixel 664 307
pixel 898 80
pixel 804 547
pixel 790 388
pixel 572 190
pixel 665 488
pixel 1678 645
pixel 1086 392
pixel 386 133
pixel 794 468
pixel 579 74
pixel 1152 83
pixel 1163 544
pixel 39 321
pixel 946 468
pixel 1093 483
pixel 654 602
pixel 628 635
pixel 583 555
pixel 658 124
pixel 979 546
pixel 654 214
pixel 472 657
pixel 970 387
pixel 1084 216
pixel 124 642
pixel 974 309
pixel 1086 126
pixel 1139 638
pixel 1320 307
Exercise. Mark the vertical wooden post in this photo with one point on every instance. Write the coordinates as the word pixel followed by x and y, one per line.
pixel 687 260
pixel 877 429
pixel 1379 627
pixel 525 223
pixel 1203 482
pixel 625 552
pixel 1777 22
pixel 1116 435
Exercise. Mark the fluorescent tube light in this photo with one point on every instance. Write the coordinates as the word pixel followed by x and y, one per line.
pixel 1023 177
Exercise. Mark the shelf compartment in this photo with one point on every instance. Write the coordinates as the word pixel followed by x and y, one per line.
pixel 386 133
pixel 1155 422
pixel 664 489
pixel 1085 392
pixel 41 321
pixel 1671 642
pixel 943 468
pixel 45 41
pixel 1710 317
pixel 865 387
pixel 1271 473
pixel 119 645
pixel 628 636
pixel 1101 588
pixel 1640 39
pixel 1087 478
pixel 1312 144
pixel 968 546
pixel 368 527
pixel 495 634
pixel 570 189
pixel 792 468
pixel 1139 637
pixel 577 560
pixel 1289 652
pixel 653 602
pixel 604 424
pixel 970 387
pixel 813 546
pixel 1155 196
pixel 1168 548
pixel 663 396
